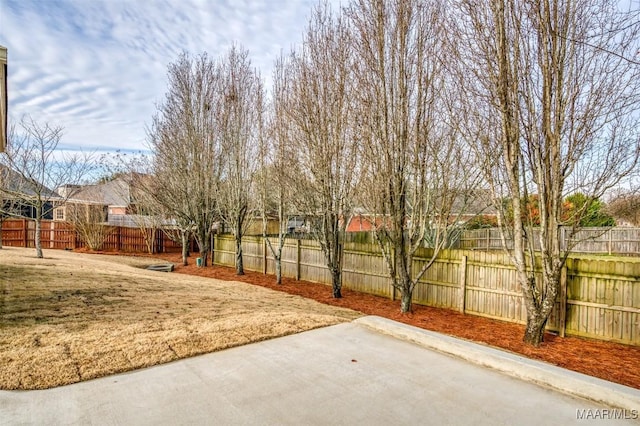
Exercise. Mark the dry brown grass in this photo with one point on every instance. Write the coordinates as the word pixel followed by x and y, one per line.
pixel 73 317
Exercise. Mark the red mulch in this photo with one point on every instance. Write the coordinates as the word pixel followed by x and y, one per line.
pixel 609 361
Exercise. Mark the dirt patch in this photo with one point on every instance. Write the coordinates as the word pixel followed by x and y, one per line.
pixel 610 361
pixel 75 316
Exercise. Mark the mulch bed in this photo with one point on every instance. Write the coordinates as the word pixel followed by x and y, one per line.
pixel 609 361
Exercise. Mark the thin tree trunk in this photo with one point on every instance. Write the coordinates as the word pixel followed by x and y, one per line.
pixel 239 264
pixel 185 247
pixel 277 254
pixel 403 263
pixel 38 240
pixel 336 282
pixel 279 270
pixel 153 241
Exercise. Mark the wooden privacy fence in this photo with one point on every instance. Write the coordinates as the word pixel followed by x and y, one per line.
pixel 610 240
pixel 62 235
pixel 600 297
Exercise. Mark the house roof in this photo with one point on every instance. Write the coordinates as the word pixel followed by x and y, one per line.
pixel 14 183
pixel 474 203
pixel 112 193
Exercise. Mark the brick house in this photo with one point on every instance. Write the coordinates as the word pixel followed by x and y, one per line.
pixel 109 201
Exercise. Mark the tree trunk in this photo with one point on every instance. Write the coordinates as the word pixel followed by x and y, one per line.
pixel 204 250
pixel 538 315
pixel 336 282
pixel 152 241
pixel 534 332
pixel 204 255
pixel 279 270
pixel 1 223
pixel 38 240
pixel 185 248
pixel 405 301
pixel 239 264
pixel 403 264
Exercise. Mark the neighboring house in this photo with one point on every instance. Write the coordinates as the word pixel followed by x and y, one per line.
pixel 111 202
pixel 363 222
pixel 19 195
pixel 113 198
pixel 477 205
pixel 464 209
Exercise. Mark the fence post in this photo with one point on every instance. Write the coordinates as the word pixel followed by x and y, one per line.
pixel 562 317
pixel 298 249
pixel 610 241
pixel 488 239
pixel 463 284
pixel 25 226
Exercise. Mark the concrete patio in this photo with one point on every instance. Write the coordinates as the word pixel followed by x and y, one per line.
pixel 369 372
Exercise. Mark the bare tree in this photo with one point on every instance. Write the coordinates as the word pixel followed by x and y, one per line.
pixel 625 207
pixel 324 144
pixel 131 185
pixel 187 148
pixel 88 220
pixel 171 204
pixel 238 119
pixel 416 181
pixel 276 193
pixel 157 202
pixel 37 165
pixel 552 99
pixel 146 213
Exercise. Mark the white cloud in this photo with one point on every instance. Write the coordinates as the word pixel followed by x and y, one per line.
pixel 99 67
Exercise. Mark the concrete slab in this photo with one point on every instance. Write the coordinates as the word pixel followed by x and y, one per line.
pixel 566 381
pixel 347 374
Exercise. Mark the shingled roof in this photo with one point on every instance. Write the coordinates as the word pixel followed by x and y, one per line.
pixel 13 183
pixel 112 193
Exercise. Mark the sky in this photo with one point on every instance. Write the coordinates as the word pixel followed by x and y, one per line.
pixel 98 68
